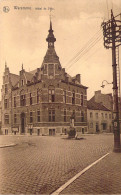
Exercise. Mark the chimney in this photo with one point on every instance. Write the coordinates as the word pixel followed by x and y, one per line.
pixel 78 78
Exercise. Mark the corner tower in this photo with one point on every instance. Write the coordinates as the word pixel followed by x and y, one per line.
pixel 51 65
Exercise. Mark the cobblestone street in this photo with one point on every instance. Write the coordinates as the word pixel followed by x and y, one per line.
pixel 42 164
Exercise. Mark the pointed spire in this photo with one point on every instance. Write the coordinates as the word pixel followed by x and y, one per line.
pixel 50 21
pixel 22 66
pixel 51 39
pixel 50 25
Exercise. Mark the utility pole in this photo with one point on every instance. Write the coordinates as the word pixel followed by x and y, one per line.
pixel 112 39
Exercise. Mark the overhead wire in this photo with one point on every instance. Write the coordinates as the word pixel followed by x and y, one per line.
pixel 86 50
pixel 85 46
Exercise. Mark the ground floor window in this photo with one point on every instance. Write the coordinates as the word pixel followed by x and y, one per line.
pixel 104 126
pixel 6 131
pixel 91 125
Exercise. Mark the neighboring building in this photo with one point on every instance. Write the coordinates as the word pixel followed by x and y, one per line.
pixel 44 101
pixel 0 118
pixel 99 118
pixel 105 99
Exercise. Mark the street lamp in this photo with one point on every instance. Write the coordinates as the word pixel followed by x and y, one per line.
pixel 105 84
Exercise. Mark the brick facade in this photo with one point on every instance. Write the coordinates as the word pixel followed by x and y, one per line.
pixel 45 100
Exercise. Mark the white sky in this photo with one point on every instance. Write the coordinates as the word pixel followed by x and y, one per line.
pixel 75 22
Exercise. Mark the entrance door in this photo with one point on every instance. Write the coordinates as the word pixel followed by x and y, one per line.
pixel 97 127
pixel 51 131
pixel 38 131
pixel 30 131
pixel 22 122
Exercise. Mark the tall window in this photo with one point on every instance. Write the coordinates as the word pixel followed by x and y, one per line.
pixel 96 115
pixel 109 116
pixel 82 99
pixel 37 96
pixel 73 97
pixel 31 117
pixel 5 103
pixel 6 88
pixel 6 119
pixel 15 118
pixel 14 101
pixel 91 115
pixel 102 115
pixel 30 99
pixel 64 115
pixel 38 115
pixel 22 82
pixel 64 96
pixel 51 95
pixel 51 115
pixel 73 114
pixel 22 100
pixel 82 116
pixel 106 116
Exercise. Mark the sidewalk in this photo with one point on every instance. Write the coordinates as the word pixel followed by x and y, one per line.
pixel 5 141
pixel 102 178
pixel 7 145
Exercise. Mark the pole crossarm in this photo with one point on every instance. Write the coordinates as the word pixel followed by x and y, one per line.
pixel 112 30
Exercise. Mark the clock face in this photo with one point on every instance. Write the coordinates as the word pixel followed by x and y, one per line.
pixel 50 44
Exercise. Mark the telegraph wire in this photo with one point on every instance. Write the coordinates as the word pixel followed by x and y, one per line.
pixel 86 50
pixel 84 47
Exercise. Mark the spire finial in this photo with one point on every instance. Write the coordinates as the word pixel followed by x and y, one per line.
pixel 50 20
pixel 22 66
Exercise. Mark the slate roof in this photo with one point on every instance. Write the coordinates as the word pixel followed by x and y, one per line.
pixel 91 105
pixel 14 78
pixel 28 76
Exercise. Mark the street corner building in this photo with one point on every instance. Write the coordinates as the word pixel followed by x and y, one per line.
pixel 45 101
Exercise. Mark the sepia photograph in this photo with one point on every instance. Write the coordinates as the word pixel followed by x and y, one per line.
pixel 60 98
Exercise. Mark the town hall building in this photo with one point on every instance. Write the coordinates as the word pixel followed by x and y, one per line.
pixel 45 101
